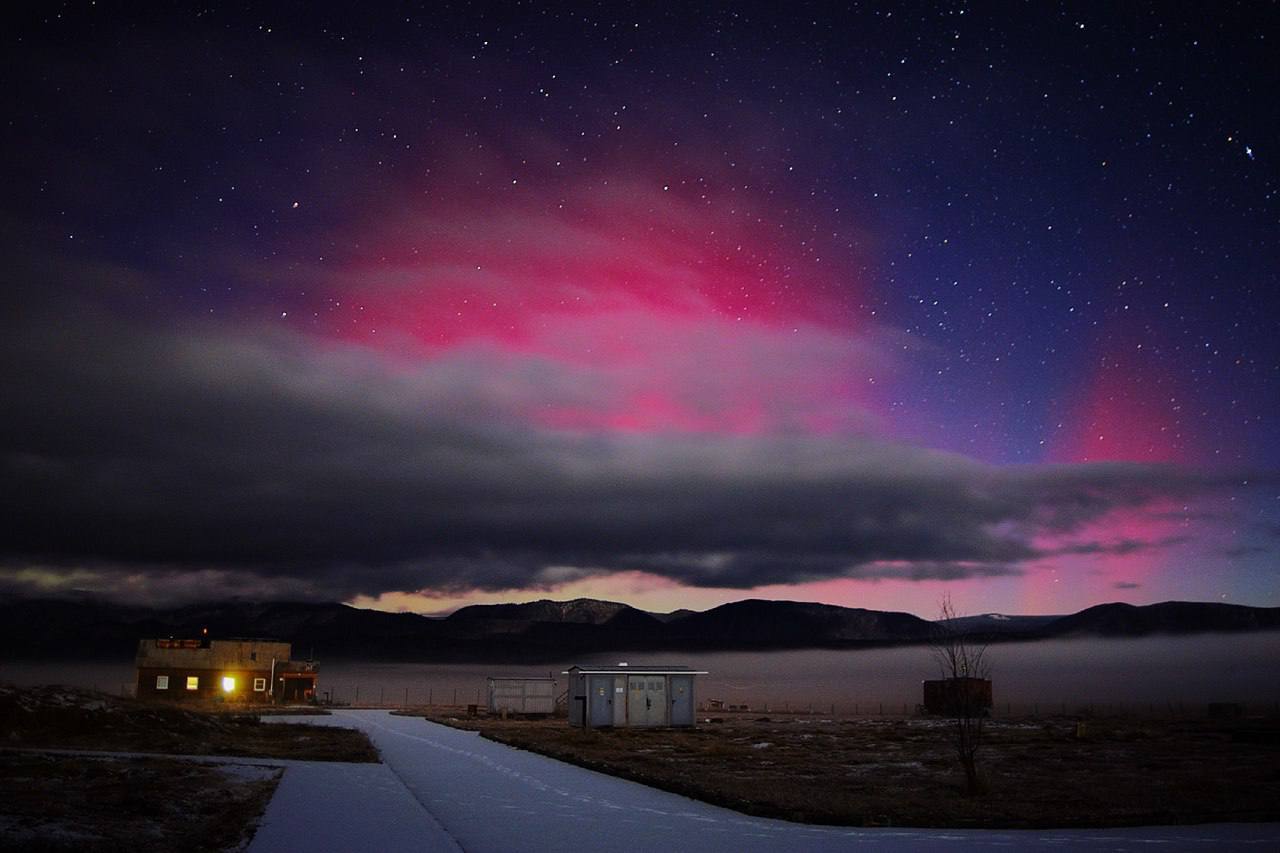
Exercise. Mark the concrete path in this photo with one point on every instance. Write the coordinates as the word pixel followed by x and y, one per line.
pixel 445 789
pixel 324 806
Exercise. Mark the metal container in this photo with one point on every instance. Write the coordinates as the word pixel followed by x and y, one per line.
pixel 522 695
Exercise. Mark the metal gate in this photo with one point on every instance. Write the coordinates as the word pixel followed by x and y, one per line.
pixel 647 700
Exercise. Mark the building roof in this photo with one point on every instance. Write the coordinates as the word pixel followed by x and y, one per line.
pixel 632 669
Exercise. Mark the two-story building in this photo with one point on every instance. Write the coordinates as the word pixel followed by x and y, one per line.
pixel 234 670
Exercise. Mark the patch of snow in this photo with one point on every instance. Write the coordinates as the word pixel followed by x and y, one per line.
pixel 249 772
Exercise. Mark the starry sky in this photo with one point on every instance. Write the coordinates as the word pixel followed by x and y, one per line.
pixel 418 306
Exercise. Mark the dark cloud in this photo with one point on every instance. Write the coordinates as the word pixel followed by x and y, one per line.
pixel 1237 551
pixel 138 461
pixel 1126 585
pixel 1119 547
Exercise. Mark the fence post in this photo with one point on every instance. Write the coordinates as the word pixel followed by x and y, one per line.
pixel 406 697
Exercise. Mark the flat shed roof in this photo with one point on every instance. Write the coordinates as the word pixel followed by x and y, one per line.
pixel 633 669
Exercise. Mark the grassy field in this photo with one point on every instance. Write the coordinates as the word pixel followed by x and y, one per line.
pixel 51 801
pixel 876 772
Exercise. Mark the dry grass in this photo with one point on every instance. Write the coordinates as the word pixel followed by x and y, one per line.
pixel 66 718
pixel 1038 773
pixel 148 805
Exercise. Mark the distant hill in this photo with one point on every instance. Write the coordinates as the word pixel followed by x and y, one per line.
pixel 587 610
pixel 1170 617
pixel 543 631
pixel 791 624
pixel 1001 625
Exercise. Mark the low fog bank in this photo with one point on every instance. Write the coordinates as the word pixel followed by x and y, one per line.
pixel 1151 671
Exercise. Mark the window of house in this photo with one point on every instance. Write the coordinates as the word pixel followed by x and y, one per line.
pixel 253 655
pixel 162 682
pixel 193 682
pixel 259 685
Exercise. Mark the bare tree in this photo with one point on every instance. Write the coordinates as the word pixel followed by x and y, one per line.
pixel 966 689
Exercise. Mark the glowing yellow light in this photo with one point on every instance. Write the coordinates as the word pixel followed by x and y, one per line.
pixel 228 684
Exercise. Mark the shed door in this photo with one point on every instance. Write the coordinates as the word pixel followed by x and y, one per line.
pixel 647 700
pixel 682 700
pixel 620 700
pixel 635 700
pixel 600 701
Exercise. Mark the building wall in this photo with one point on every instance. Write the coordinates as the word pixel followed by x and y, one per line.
pixel 209 661
pixel 217 654
pixel 209 684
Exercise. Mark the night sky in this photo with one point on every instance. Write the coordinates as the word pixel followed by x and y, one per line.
pixel 414 307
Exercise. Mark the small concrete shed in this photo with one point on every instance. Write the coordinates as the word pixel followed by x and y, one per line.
pixel 520 695
pixel 631 695
pixel 953 696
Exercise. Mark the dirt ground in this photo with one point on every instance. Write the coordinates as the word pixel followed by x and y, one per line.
pixel 1061 772
pixel 97 803
pixel 148 805
pixel 66 718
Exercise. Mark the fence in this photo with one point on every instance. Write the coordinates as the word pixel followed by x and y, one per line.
pixel 999 710
pixel 453 696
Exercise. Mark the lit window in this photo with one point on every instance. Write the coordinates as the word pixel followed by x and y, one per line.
pixel 228 684
pixel 259 685
pixel 193 682
pixel 162 682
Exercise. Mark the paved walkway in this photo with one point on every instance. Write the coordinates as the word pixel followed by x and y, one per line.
pixel 444 789
pixel 323 806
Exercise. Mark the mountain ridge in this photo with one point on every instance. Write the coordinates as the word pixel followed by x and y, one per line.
pixel 549 630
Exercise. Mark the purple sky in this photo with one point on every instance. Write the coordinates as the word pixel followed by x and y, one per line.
pixel 426 307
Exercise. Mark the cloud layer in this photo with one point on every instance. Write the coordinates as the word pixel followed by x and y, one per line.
pixel 311 468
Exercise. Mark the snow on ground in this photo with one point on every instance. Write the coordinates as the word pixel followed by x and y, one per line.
pixel 445 789
pixel 323 806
